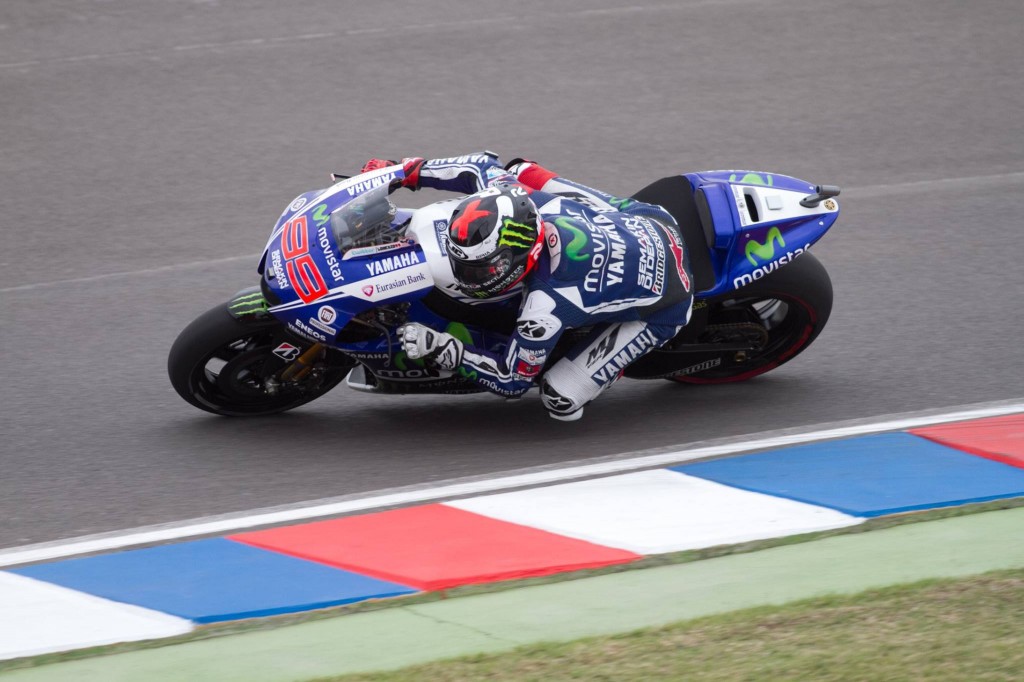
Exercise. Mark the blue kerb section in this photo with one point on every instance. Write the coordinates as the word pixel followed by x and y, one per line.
pixel 869 475
pixel 208 581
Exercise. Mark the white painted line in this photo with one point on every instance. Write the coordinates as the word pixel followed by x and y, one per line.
pixel 149 271
pixel 972 182
pixel 506 22
pixel 452 490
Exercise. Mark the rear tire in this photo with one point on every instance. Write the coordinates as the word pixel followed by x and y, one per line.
pixel 218 363
pixel 793 304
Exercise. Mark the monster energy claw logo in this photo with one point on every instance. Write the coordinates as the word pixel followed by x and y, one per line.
pixel 766 251
pixel 517 234
pixel 248 304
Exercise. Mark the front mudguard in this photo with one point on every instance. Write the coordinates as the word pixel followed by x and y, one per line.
pixel 249 304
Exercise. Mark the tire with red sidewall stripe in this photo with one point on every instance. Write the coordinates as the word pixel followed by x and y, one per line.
pixel 799 295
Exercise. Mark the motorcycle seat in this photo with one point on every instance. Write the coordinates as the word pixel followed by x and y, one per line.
pixel 675 195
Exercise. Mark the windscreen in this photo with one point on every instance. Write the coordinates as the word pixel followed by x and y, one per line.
pixel 365 221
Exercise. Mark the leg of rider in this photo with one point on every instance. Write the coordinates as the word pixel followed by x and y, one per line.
pixel 596 362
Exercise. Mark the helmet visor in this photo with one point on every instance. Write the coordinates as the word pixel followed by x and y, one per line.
pixel 474 275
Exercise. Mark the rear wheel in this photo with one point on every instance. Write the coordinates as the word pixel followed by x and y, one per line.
pixel 778 316
pixel 227 366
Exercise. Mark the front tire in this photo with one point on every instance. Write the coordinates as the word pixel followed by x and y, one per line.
pixel 792 305
pixel 221 364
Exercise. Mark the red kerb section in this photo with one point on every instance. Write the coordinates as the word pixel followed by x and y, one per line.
pixel 998 438
pixel 434 547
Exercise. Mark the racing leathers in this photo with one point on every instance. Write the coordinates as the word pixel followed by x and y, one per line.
pixel 617 267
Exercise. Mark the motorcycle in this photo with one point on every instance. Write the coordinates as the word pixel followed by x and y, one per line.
pixel 344 268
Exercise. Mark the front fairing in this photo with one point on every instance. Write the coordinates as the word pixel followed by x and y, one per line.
pixel 317 274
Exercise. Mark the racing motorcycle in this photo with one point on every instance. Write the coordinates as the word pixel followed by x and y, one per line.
pixel 344 268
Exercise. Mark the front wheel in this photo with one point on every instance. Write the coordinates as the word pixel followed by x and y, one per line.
pixel 780 315
pixel 227 366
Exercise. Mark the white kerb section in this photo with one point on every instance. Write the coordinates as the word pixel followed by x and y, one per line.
pixel 655 512
pixel 40 618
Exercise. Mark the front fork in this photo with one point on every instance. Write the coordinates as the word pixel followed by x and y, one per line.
pixel 303 365
pixel 250 304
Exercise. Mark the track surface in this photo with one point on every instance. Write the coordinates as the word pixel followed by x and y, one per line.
pixel 149 146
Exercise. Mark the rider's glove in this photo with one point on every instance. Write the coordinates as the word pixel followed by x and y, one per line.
pixel 377 164
pixel 421 342
pixel 517 164
pixel 411 166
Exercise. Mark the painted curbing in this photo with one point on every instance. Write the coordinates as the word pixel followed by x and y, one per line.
pixel 601 605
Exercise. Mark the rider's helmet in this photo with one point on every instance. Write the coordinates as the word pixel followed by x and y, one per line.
pixel 494 240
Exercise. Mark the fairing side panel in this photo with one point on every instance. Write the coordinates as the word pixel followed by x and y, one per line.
pixel 759 224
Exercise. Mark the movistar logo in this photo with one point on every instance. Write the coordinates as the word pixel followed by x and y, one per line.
pixel 249 304
pixel 621 204
pixel 318 215
pixel 766 251
pixel 752 179
pixel 517 234
pixel 579 239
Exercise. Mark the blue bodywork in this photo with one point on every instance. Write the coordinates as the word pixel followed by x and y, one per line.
pixel 316 286
pixel 743 249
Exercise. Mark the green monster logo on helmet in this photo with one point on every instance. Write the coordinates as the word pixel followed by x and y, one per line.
pixel 517 235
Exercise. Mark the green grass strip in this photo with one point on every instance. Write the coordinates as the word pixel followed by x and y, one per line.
pixel 962 629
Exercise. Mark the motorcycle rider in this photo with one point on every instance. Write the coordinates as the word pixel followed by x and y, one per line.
pixel 585 259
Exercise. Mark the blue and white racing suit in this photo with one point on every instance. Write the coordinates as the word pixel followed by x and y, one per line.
pixel 616 266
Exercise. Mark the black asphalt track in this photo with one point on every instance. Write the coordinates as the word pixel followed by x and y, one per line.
pixel 147 146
